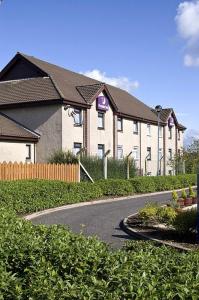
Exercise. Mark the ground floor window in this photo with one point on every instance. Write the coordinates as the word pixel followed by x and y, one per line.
pixel 28 148
pixel 135 153
pixel 120 152
pixel 77 147
pixel 148 153
pixel 100 150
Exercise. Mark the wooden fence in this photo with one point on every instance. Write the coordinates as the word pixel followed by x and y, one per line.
pixel 15 171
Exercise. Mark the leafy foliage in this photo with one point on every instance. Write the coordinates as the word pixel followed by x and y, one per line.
pixel 39 262
pixel 115 187
pixel 116 168
pixel 185 222
pixel 63 157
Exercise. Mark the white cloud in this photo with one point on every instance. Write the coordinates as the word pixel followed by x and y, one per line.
pixel 187 20
pixel 121 82
pixel 181 114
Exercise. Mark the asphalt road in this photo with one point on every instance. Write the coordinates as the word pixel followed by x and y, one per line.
pixel 102 220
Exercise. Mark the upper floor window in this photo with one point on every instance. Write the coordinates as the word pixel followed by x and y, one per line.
pixel 148 129
pixel 135 153
pixel 119 152
pixel 135 127
pixel 101 120
pixel 100 152
pixel 119 124
pixel 160 131
pixel 170 132
pixel 28 149
pixel 77 147
pixel 148 153
pixel 77 117
pixel 178 135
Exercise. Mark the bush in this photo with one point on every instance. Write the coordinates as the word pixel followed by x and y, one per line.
pixel 115 187
pixel 40 262
pixel 154 213
pixel 33 195
pixel 143 184
pixel 185 222
pixel 63 157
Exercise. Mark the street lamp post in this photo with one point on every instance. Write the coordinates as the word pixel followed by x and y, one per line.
pixel 158 109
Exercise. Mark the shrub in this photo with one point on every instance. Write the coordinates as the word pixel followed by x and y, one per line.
pixel 185 222
pixel 115 187
pixel 166 214
pixel 143 184
pixel 63 157
pixel 183 194
pixel 40 262
pixel 148 213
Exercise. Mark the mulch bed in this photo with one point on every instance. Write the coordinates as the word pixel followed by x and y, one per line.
pixel 162 233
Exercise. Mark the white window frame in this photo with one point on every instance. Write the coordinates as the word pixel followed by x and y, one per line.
pixel 135 127
pixel 148 129
pixel 170 133
pixel 170 154
pixel 149 152
pixel 77 117
pixel 101 120
pixel 119 124
pixel 29 154
pixel 75 148
pixel 100 150
pixel 120 152
pixel 135 153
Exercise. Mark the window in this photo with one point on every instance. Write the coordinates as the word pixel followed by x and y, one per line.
pixel 135 153
pixel 100 150
pixel 28 148
pixel 77 117
pixel 148 173
pixel 135 127
pixel 170 154
pixel 160 153
pixel 100 120
pixel 77 147
pixel 148 129
pixel 160 131
pixel 119 124
pixel 119 152
pixel 148 153
pixel 178 135
pixel 170 132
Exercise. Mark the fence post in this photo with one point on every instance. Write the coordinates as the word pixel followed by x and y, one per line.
pixel 105 163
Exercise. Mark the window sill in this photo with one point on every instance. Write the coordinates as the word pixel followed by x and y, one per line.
pixel 119 130
pixel 135 132
pixel 77 125
pixel 100 128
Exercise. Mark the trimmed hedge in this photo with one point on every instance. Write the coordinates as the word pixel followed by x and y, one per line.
pixel 115 187
pixel 40 262
pixel 162 183
pixel 24 196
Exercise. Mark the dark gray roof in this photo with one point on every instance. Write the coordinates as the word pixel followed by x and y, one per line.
pixel 165 113
pixel 10 129
pixel 27 90
pixel 89 91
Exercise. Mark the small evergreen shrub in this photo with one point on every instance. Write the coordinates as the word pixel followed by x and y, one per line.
pixel 143 184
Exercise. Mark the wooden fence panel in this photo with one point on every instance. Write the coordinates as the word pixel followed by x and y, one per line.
pixel 15 171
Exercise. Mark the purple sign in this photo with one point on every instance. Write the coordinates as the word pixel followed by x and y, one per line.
pixel 102 103
pixel 171 122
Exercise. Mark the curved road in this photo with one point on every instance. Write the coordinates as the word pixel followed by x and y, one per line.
pixel 101 219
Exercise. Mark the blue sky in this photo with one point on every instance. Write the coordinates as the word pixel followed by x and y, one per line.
pixel 139 40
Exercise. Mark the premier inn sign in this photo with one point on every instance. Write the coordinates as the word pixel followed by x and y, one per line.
pixel 102 103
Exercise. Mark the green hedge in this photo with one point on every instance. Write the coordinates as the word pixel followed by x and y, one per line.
pixel 115 187
pixel 40 262
pixel 26 196
pixel 162 183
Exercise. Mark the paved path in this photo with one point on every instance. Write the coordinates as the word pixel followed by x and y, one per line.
pixel 101 219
